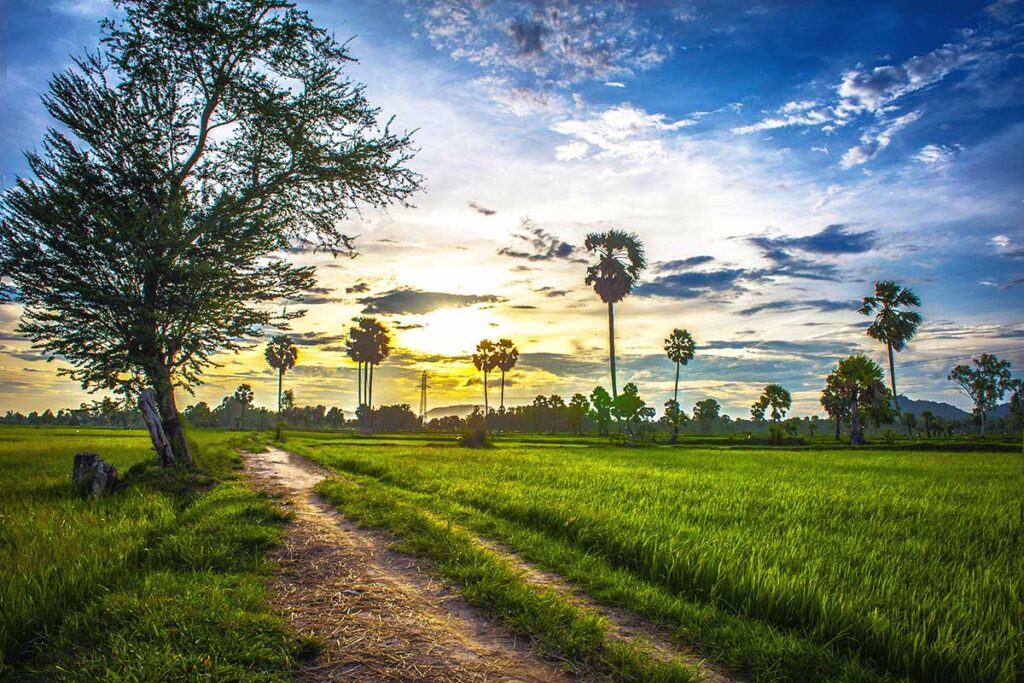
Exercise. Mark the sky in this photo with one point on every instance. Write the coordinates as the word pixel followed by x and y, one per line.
pixel 775 158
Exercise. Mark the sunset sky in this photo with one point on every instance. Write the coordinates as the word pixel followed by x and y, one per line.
pixel 775 158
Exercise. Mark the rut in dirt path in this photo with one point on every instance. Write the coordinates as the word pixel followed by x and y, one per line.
pixel 380 614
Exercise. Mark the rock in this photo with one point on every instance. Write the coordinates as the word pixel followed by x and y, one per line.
pixel 90 475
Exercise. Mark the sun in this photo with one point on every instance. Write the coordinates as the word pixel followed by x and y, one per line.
pixel 450 331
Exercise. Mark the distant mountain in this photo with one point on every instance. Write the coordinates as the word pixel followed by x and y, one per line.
pixel 945 410
pixel 461 410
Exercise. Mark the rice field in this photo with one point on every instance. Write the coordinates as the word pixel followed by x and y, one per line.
pixel 783 565
pixel 141 585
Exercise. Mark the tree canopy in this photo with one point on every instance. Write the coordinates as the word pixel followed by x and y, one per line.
pixel 199 142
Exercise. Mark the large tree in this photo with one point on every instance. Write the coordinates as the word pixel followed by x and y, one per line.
pixel 893 325
pixel 680 348
pixel 197 144
pixel 620 260
pixel 985 384
pixel 368 344
pixel 857 382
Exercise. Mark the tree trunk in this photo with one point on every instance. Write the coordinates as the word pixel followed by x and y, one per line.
pixel 675 397
pixel 982 431
pixel 170 419
pixel 611 359
pixel 502 406
pixel 280 384
pixel 839 427
pixel 359 386
pixel 150 415
pixel 485 398
pixel 892 379
pixel 369 398
pixel 856 431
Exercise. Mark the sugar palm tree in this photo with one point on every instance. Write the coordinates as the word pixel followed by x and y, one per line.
pixel 379 341
pixel 893 325
pixel 858 381
pixel 485 359
pixel 508 356
pixel 244 396
pixel 680 348
pixel 356 348
pixel 620 259
pixel 281 355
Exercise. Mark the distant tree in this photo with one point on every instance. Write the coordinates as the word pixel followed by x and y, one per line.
pixel 540 409
pixel 620 260
pixel 629 407
pixel 380 350
pixel 792 426
pixel 244 396
pixel 1015 417
pixel 779 400
pixel 368 344
pixel 680 348
pixel 357 348
pixel 705 413
pixel 985 384
pixel 578 408
pixel 674 416
pixel 893 326
pixel 857 380
pixel 486 359
pixel 601 413
pixel 288 400
pixel 201 138
pixel 928 418
pixel 812 425
pixel 556 405
pixel 281 355
pixel 910 422
pixel 508 356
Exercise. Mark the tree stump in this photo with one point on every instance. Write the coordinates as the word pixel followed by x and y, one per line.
pixel 91 476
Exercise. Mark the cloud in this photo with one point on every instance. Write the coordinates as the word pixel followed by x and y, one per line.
pixel 935 155
pixel 623 131
pixel 482 209
pixel 874 141
pixel 358 288
pixel 823 305
pixel 408 300
pixel 536 244
pixel 681 264
pixel 320 295
pixel 615 84
pixel 794 116
pixel 695 284
pixel 552 292
pixel 837 238
pixel 555 43
pixel 1004 11
pixel 89 9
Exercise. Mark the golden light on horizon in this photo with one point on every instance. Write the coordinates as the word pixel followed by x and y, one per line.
pixel 450 331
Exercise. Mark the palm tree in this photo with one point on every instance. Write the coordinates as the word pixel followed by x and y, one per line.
pixel 379 339
pixel 281 355
pixel 892 325
pixel 356 348
pixel 620 259
pixel 680 348
pixel 244 396
pixel 508 356
pixel 368 344
pixel 779 400
pixel 929 419
pixel 486 359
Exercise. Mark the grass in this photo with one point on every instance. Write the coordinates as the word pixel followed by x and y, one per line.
pixel 142 585
pixel 784 564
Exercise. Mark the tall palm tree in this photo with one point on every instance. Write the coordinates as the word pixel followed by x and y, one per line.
pixel 620 259
pixel 281 355
pixel 485 359
pixel 244 396
pixel 858 381
pixel 508 356
pixel 893 326
pixel 379 340
pixel 356 349
pixel 680 349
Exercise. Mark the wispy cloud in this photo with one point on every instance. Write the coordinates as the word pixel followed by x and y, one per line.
pixel 623 131
pixel 875 140
pixel 409 300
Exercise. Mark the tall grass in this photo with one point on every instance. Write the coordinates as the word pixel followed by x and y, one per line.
pixel 142 585
pixel 910 563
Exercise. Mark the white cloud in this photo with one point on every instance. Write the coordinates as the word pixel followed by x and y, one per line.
pixel 615 84
pixel 622 131
pixel 793 107
pixel 935 155
pixel 571 151
pixel 873 142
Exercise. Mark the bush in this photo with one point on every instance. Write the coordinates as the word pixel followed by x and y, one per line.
pixel 475 438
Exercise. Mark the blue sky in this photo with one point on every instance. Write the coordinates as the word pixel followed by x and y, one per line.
pixel 776 158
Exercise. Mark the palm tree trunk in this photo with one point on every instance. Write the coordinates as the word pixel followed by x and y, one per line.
pixel 611 357
pixel 675 397
pixel 856 435
pixel 369 398
pixel 359 384
pixel 892 379
pixel 280 382
pixel 502 406
pixel 485 398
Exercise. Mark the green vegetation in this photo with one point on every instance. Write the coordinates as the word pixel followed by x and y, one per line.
pixel 783 564
pixel 141 585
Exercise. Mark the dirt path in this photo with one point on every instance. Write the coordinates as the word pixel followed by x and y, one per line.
pixel 381 616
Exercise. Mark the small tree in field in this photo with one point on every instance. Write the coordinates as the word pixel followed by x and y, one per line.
pixel 680 348
pixel 244 396
pixel 705 413
pixel 200 141
pixel 486 359
pixel 985 384
pixel 779 400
